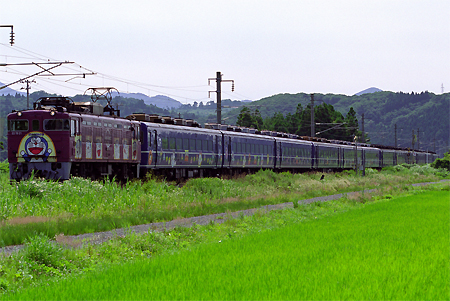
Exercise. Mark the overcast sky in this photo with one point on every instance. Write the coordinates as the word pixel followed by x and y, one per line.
pixel 172 47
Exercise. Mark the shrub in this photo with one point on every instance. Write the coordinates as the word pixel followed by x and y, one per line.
pixel 442 162
pixel 41 250
pixel 4 166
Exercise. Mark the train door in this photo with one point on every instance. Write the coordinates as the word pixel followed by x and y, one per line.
pixel 216 150
pixel 220 150
pixel 155 147
pixel 226 151
pixel 278 154
pixel 75 137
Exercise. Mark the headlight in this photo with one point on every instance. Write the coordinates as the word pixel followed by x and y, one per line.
pixel 19 114
pixel 52 113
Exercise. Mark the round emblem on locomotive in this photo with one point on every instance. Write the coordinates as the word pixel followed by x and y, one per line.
pixel 36 147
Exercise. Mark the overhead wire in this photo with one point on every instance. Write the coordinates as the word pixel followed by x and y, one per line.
pixel 141 85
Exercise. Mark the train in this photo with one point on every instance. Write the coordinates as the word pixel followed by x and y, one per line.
pixel 60 138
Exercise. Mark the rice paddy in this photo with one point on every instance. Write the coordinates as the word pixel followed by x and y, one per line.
pixel 393 248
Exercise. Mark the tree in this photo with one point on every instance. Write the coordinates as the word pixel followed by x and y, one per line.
pixel 245 118
pixel 258 121
pixel 351 125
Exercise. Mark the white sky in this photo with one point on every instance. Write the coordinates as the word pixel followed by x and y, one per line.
pixel 172 47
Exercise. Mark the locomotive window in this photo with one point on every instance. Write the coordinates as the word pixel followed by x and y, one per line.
pixel 172 143
pixel 56 124
pixel 35 125
pixel 18 125
pixel 72 128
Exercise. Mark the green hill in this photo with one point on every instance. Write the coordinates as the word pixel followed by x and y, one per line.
pixel 427 112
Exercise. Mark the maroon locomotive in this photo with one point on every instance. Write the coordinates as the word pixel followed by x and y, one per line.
pixel 59 138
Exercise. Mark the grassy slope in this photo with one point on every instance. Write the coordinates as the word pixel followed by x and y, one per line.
pixel 388 250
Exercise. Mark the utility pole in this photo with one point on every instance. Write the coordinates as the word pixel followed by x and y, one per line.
pixel 395 135
pixel 313 124
pixel 413 138
pixel 418 141
pixel 218 91
pixel 363 136
pixel 28 82
pixel 11 37
pixel 434 143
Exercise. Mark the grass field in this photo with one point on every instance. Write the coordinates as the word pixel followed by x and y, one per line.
pixel 395 249
pixel 82 206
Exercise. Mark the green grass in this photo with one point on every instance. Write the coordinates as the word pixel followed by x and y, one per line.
pixel 391 249
pixel 82 206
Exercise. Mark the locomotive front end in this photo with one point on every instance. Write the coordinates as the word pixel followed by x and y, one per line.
pixel 38 143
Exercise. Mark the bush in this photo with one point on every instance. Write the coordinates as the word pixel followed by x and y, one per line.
pixel 4 167
pixel 442 162
pixel 41 250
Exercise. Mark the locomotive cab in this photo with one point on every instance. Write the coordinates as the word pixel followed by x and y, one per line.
pixel 35 144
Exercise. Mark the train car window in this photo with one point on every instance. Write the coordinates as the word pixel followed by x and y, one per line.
pixel 18 125
pixel 239 148
pixel 172 143
pixel 192 144
pixel 252 148
pixel 108 136
pixel 233 147
pixel 164 143
pixel 199 144
pixel 149 139
pixel 35 125
pixel 210 145
pixel 185 143
pixel 179 143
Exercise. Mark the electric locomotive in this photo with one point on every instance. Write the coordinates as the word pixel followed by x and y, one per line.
pixel 59 138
